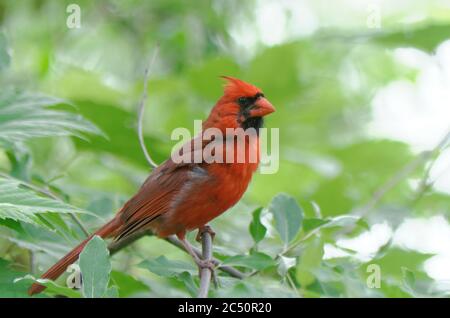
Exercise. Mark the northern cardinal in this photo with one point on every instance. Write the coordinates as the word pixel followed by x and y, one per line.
pixel 181 197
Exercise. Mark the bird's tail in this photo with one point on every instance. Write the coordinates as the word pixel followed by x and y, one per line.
pixel 56 270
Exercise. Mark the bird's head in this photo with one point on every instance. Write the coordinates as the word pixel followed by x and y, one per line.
pixel 242 105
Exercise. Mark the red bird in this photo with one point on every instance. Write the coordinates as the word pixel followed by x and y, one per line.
pixel 181 197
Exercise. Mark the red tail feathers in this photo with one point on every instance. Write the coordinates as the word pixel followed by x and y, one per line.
pixel 56 270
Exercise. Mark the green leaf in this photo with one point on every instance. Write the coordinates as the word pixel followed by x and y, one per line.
pixel 393 260
pixel 24 205
pixel 52 287
pixel 112 292
pixel 344 221
pixel 310 224
pixel 188 281
pixel 127 284
pixel 288 216
pixel 8 286
pixel 163 267
pixel 409 279
pixel 309 261
pixel 257 229
pixel 258 261
pixel 122 139
pixel 25 115
pixel 95 268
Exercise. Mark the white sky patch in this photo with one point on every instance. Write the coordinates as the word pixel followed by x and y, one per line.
pixel 418 113
pixel 428 235
pixel 273 22
pixel 369 242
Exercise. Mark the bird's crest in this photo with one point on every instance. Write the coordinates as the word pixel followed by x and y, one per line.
pixel 235 88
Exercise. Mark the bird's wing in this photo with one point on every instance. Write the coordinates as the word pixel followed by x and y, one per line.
pixel 159 193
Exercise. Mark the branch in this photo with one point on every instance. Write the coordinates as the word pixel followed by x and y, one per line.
pixel 141 110
pixel 114 247
pixel 205 273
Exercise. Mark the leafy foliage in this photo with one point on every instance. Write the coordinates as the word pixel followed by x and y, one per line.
pixel 24 116
pixel 20 204
pixel 290 233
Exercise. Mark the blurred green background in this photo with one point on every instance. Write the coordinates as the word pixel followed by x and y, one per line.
pixel 352 152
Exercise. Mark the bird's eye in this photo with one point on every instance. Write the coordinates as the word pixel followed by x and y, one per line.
pixel 242 101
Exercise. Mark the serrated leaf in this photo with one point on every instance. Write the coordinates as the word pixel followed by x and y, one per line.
pixel 95 268
pixel 258 261
pixel 26 115
pixel 20 204
pixel 256 228
pixel 288 216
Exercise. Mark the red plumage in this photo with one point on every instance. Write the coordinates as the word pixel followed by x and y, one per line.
pixel 180 197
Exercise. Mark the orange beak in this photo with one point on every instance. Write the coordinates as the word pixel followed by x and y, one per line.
pixel 262 108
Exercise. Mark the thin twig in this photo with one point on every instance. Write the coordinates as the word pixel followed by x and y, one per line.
pixel 51 195
pixel 424 183
pixel 393 181
pixel 205 273
pixel 141 110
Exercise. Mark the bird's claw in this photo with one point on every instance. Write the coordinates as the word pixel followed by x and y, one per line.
pixel 206 264
pixel 205 229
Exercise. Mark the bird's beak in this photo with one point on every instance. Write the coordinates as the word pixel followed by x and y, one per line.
pixel 262 108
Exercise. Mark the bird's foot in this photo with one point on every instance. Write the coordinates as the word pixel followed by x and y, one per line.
pixel 205 229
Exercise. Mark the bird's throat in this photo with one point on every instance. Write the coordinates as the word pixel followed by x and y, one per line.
pixel 253 122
